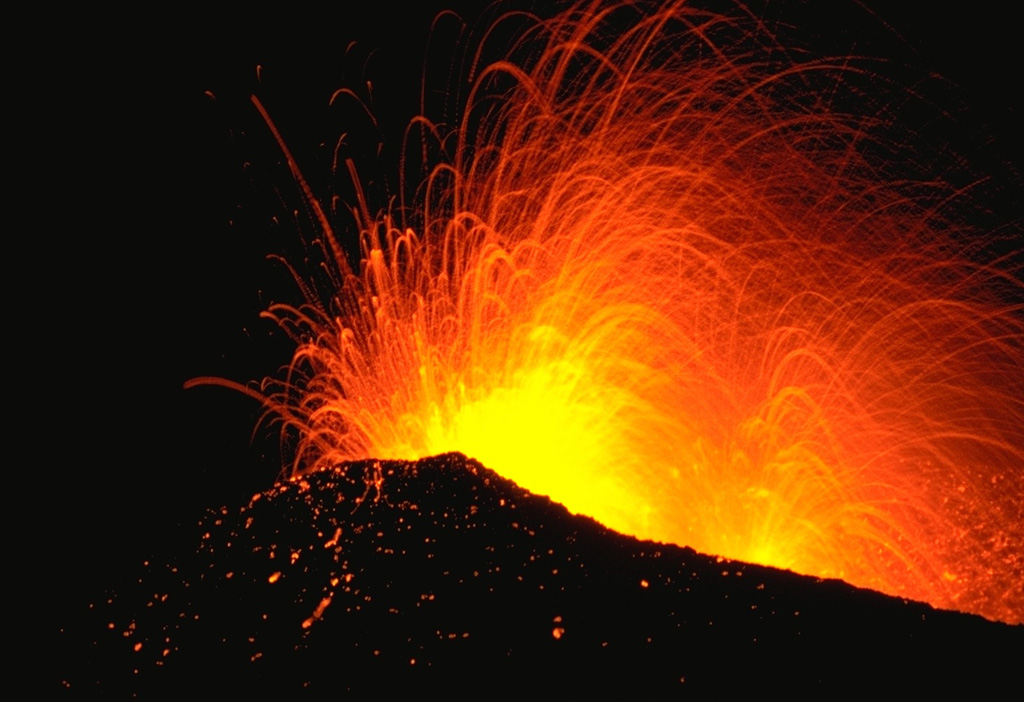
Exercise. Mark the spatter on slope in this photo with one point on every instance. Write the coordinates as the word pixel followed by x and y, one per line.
pixel 382 577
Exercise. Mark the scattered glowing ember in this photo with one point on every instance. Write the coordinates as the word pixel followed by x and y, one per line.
pixel 661 274
pixel 317 613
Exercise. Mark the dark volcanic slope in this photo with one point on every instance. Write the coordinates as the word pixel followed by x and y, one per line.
pixel 440 575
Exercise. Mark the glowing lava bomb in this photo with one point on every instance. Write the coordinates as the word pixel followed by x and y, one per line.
pixel 685 278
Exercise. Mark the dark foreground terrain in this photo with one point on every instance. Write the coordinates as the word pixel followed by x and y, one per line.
pixel 441 577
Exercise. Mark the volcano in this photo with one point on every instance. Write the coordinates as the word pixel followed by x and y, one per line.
pixel 441 577
pixel 448 576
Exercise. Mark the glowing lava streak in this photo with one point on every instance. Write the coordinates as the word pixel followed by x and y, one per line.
pixel 664 277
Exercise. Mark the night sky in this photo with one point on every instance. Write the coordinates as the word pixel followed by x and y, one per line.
pixel 139 175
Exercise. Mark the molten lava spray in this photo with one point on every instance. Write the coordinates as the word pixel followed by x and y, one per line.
pixel 682 279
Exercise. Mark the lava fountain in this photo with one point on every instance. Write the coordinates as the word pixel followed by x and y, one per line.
pixel 682 278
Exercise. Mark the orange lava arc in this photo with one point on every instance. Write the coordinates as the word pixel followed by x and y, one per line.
pixel 670 274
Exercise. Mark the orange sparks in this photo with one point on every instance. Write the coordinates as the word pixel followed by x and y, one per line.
pixel 333 541
pixel 662 272
pixel 317 613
